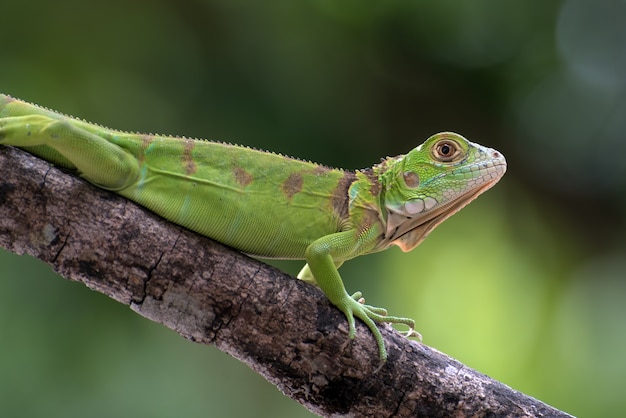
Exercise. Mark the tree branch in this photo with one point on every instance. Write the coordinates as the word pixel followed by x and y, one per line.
pixel 284 329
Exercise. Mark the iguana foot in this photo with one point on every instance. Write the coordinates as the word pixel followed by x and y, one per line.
pixel 354 307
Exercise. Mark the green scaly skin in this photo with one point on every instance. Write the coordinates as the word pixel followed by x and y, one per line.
pixel 269 205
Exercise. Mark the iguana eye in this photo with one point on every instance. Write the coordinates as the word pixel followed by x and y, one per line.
pixel 446 150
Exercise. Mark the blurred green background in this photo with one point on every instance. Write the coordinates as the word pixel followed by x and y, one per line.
pixel 527 284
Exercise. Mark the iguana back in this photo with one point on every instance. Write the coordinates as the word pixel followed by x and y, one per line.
pixel 259 202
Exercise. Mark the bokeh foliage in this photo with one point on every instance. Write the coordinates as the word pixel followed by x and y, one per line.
pixel 527 284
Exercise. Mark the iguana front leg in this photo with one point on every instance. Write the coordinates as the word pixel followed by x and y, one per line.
pixel 320 257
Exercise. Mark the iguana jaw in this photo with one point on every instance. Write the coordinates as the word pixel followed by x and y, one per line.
pixel 408 232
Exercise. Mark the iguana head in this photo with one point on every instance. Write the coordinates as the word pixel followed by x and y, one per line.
pixel 432 182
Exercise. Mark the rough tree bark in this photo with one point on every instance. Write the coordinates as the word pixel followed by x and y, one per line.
pixel 284 329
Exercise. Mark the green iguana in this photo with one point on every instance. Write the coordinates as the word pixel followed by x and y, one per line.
pixel 266 204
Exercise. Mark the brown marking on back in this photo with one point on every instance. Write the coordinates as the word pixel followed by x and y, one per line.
pixel 340 199
pixel 188 162
pixel 242 176
pixel 146 140
pixel 320 170
pixel 375 187
pixel 292 185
